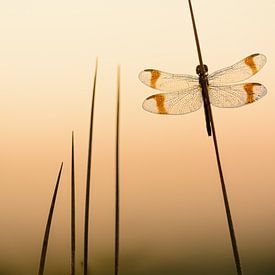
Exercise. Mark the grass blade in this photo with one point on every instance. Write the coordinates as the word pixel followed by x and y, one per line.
pixel 226 202
pixel 224 192
pixel 72 210
pixel 88 179
pixel 48 226
pixel 117 199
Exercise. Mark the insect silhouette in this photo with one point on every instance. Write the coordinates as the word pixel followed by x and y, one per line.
pixel 183 93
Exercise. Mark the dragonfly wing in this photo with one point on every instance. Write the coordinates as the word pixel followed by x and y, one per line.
pixel 240 71
pixel 237 95
pixel 175 103
pixel 167 82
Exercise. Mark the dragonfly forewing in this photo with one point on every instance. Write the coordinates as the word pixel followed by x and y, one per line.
pixel 240 71
pixel 167 82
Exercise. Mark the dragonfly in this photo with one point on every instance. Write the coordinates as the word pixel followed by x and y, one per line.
pixel 183 93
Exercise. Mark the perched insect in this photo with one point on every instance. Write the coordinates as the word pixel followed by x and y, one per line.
pixel 184 92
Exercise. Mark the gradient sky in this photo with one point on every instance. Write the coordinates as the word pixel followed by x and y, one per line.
pixel 171 197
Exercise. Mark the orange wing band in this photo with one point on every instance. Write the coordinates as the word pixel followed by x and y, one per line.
pixel 159 102
pixel 154 77
pixel 250 62
pixel 249 90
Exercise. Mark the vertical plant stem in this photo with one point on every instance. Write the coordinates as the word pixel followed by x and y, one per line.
pixel 117 199
pixel 226 201
pixel 224 192
pixel 72 210
pixel 48 226
pixel 88 179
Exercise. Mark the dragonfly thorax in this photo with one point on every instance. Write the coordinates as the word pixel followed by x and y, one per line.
pixel 203 76
pixel 199 72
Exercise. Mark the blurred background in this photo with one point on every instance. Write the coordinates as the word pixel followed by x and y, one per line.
pixel 172 218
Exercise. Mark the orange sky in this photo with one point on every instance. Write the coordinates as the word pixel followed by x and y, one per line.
pixel 171 195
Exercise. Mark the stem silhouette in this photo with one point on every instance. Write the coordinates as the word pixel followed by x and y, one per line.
pixel 88 179
pixel 117 198
pixel 209 111
pixel 48 226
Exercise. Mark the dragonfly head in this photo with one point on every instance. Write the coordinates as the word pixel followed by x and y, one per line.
pixel 198 69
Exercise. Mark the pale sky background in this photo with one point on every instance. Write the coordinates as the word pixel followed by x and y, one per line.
pixel 173 211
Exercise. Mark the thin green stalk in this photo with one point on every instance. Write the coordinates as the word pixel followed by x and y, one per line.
pixel 88 180
pixel 48 226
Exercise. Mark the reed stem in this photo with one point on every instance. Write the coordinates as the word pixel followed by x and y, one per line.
pixel 224 192
pixel 88 179
pixel 117 199
pixel 48 226
pixel 226 201
pixel 72 210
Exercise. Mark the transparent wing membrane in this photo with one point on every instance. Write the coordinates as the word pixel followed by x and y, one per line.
pixel 167 82
pixel 183 92
pixel 175 103
pixel 237 95
pixel 240 71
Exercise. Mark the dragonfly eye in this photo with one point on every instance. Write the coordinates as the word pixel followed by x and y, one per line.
pixel 198 69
